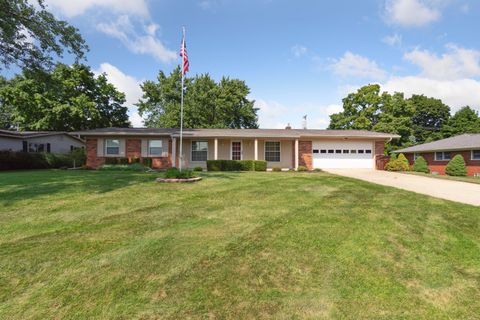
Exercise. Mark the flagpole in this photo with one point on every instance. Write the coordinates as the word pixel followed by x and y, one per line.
pixel 181 103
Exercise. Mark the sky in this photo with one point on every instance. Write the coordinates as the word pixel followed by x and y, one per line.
pixel 298 57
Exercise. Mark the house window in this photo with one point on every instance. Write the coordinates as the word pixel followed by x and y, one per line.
pixel 475 154
pixel 360 151
pixel 443 156
pixel 415 156
pixel 36 147
pixel 338 151
pixel 346 151
pixel 155 147
pixel 368 151
pixel 353 151
pixel 199 150
pixel 331 151
pixel 315 150
pixel 112 147
pixel 323 151
pixel 272 151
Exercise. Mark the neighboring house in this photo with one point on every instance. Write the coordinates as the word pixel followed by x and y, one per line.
pixel 438 153
pixel 285 148
pixel 39 141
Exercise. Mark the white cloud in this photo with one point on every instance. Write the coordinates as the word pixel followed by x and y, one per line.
pixel 128 85
pixel 412 13
pixel 72 8
pixel 465 8
pixel 271 114
pixel 145 43
pixel 393 40
pixel 455 93
pixel 353 65
pixel 298 50
pixel 457 63
pixel 333 108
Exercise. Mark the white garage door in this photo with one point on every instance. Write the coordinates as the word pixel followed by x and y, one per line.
pixel 343 154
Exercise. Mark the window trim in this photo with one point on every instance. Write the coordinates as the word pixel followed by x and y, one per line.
pixel 443 156
pixel 191 150
pixel 416 155
pixel 241 149
pixel 472 157
pixel 148 148
pixel 105 148
pixel 279 150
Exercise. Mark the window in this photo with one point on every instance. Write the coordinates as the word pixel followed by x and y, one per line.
pixel 415 156
pixel 36 147
pixel 360 151
pixel 272 151
pixel 443 156
pixel 155 147
pixel 338 151
pixel 353 151
pixel 199 150
pixel 331 151
pixel 323 151
pixel 368 151
pixel 475 154
pixel 315 150
pixel 112 147
pixel 346 151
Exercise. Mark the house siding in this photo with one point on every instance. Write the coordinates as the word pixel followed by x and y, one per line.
pixel 473 166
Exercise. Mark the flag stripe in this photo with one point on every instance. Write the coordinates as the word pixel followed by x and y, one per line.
pixel 184 55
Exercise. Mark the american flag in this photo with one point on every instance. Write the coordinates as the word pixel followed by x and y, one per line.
pixel 183 54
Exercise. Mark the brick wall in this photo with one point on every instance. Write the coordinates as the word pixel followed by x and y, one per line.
pixel 163 162
pixel 92 160
pixel 473 166
pixel 379 153
pixel 133 149
pixel 305 154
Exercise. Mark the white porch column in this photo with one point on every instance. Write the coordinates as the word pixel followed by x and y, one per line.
pixel 215 149
pixel 296 154
pixel 174 152
pixel 256 149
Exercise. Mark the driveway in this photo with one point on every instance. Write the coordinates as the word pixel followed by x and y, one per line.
pixel 464 192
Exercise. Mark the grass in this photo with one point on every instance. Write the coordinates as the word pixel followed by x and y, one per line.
pixel 116 245
pixel 446 177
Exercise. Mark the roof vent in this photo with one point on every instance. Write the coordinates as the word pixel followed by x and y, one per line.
pixel 288 127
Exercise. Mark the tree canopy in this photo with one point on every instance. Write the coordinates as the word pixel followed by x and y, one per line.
pixel 417 119
pixel 207 104
pixel 30 35
pixel 67 98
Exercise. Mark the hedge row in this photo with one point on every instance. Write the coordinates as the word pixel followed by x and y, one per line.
pixel 236 165
pixel 12 160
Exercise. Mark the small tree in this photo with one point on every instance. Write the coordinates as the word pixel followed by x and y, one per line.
pixel 456 166
pixel 397 165
pixel 402 158
pixel 421 165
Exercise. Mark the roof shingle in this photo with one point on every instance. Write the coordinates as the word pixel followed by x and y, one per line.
pixel 466 141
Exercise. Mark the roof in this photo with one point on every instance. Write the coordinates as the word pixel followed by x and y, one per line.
pixel 466 141
pixel 238 133
pixel 34 134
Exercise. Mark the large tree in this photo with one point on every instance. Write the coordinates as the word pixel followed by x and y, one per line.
pixel 465 120
pixel 68 98
pixel 429 115
pixel 30 35
pixel 207 104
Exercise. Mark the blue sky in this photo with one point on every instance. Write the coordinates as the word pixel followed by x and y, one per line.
pixel 298 57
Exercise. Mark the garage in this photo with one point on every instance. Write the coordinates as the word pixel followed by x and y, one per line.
pixel 343 154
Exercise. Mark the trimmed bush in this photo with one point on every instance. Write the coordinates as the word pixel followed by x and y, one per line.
pixel 318 170
pixel 276 169
pixel 401 157
pixel 174 173
pixel 79 157
pixel 421 165
pixel 396 165
pixel 456 167
pixel 122 167
pixel 147 162
pixel 113 160
pixel 236 165
pixel 302 169
pixel 198 169
pixel 260 165
pixel 11 160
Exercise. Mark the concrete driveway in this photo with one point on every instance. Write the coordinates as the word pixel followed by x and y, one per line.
pixel 464 192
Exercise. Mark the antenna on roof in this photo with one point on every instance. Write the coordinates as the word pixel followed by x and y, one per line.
pixel 304 122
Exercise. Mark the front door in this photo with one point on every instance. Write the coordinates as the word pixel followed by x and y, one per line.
pixel 236 150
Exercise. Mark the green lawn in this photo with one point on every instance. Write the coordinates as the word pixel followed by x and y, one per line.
pixel 116 245
pixel 437 176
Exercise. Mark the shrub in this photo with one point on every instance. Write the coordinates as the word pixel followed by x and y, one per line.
pixel 122 167
pixel 396 165
pixel 79 157
pixel 317 170
pixel 198 169
pixel 260 165
pixel 58 160
pixel 110 160
pixel 174 173
pixel 421 165
pixel 456 166
pixel 276 169
pixel 134 160
pixel 236 165
pixel 401 157
pixel 302 169
pixel 12 160
pixel 147 162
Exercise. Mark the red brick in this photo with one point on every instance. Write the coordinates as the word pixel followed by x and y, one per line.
pixel 133 149
pixel 305 154
pixel 473 166
pixel 93 161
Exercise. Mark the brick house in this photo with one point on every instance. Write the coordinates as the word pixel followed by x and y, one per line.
pixel 285 148
pixel 439 153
